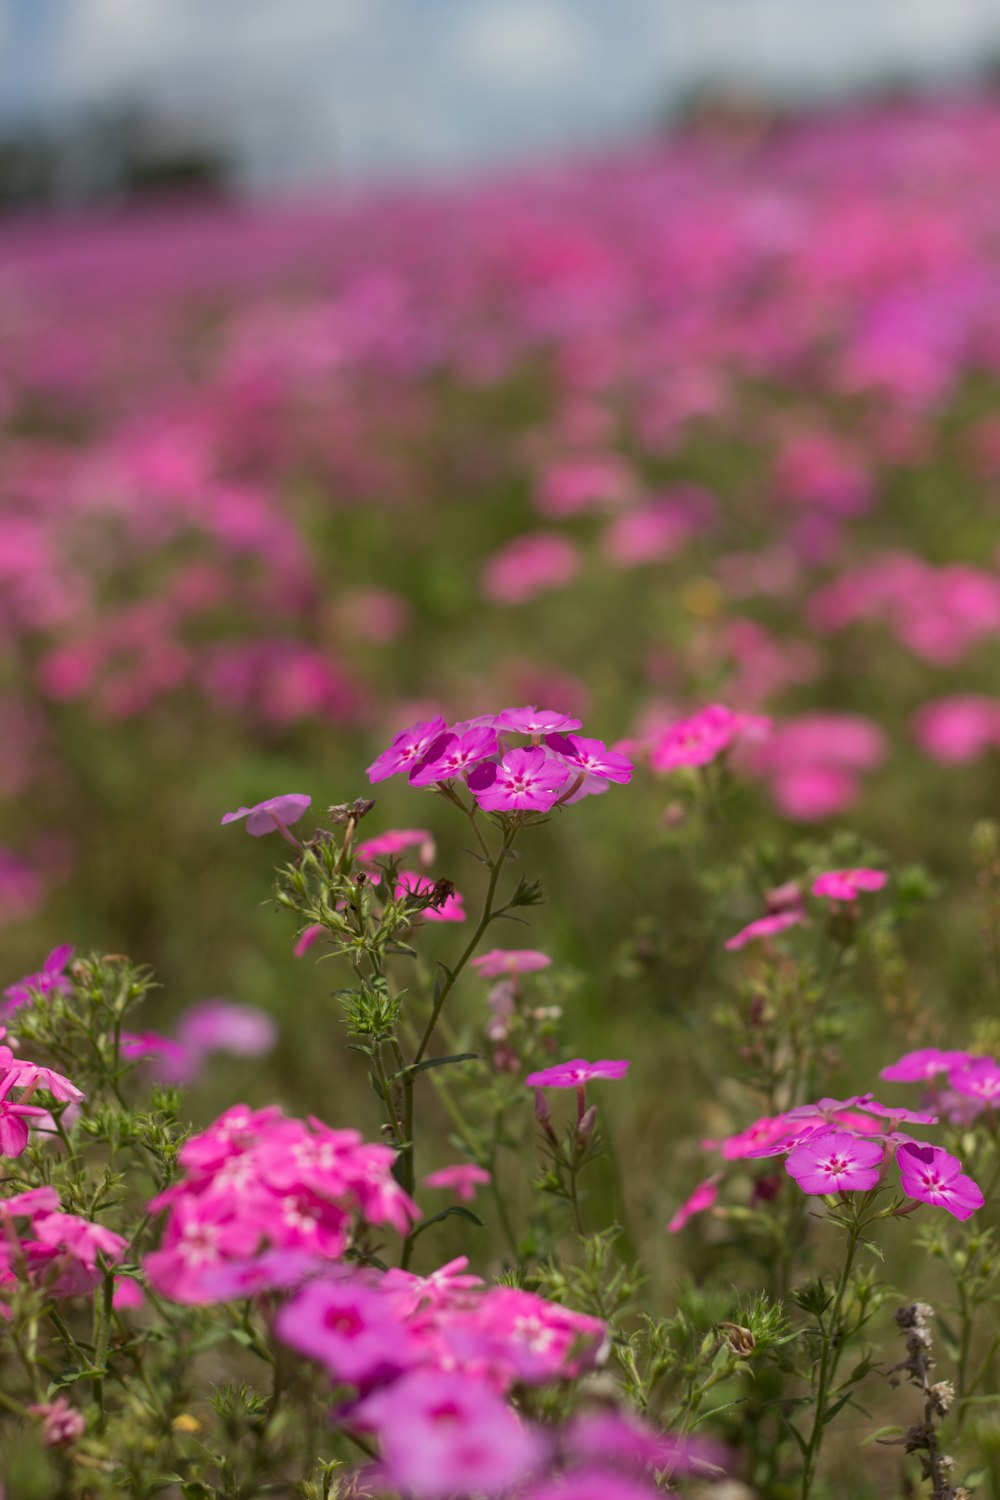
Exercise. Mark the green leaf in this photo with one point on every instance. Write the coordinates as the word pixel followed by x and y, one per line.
pixel 436 1062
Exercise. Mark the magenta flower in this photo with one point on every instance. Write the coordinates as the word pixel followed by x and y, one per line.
pixel 577 1073
pixel 528 566
pixel 703 737
pixel 50 978
pixel 765 927
pixel 591 1484
pixel 307 937
pixel 934 1176
pixel 395 841
pixel 834 1162
pixel 919 1066
pixel 347 1326
pixel 452 754
pixel 500 962
pixel 225 1026
pixel 979 1078
pixel 845 885
pixel 536 721
pixel 524 781
pixel 273 815
pixel 443 1433
pixel 702 1199
pixel 464 1177
pixel 591 756
pixel 407 749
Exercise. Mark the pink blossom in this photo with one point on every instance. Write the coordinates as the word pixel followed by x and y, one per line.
pixel 307 937
pixel 503 961
pixel 224 1026
pixel 396 841
pixel 450 755
pixel 703 737
pixel 447 1287
pixel 349 1327
pixel 274 814
pixel 536 721
pixel 591 1484
pixel 931 1175
pixel 765 927
pixel 463 1177
pixel 62 1424
pixel 529 566
pixel 835 1162
pixel 407 749
pixel 846 885
pixel 591 756
pixel 702 1199
pixel 51 979
pixel 979 1078
pixel 443 1434
pixel 450 909
pixel 919 1066
pixel 575 1074
pixel 524 781
pixel 958 729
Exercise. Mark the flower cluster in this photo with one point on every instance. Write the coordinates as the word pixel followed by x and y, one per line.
pixel 60 1253
pixel 556 766
pixel 257 1179
pixel 16 1113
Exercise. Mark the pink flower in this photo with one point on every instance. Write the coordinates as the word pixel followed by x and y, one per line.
pixel 450 909
pixel 591 1484
pixel 307 938
pixel 274 814
pixel 504 961
pixel 845 885
pixel 536 721
pixel 349 1327
pixel 575 1074
pixel 835 1162
pixel 224 1026
pixel 979 1078
pixel 524 781
pixel 703 737
pixel 407 749
pixel 933 1176
pixel 50 979
pixel 958 729
pixel 451 754
pixel 917 1067
pixel 765 927
pixel 395 841
pixel 702 1199
pixel 528 566
pixel 62 1424
pixel 444 1434
pixel 591 756
pixel 464 1177
pixel 447 1287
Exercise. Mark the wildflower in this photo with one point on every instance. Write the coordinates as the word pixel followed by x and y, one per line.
pixel 395 841
pixel 502 961
pixel 464 1177
pixel 591 756
pixel 525 781
pixel 979 1078
pixel 62 1424
pixel 50 979
pixel 919 1066
pixel 349 1327
pixel 276 814
pixel 307 938
pixel 407 749
pixel 591 1484
pixel 577 1073
pixel 835 1161
pixel 528 566
pixel 703 737
pixel 442 1434
pixel 845 885
pixel 536 721
pixel 933 1176
pixel 702 1199
pixel 765 927
pixel 451 754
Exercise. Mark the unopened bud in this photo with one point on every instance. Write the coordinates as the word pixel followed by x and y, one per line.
pixel 586 1123
pixel 740 1340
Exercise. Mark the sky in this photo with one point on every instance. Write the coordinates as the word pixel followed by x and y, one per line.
pixel 303 91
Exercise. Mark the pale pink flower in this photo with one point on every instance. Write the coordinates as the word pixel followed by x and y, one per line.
pixel 700 1201
pixel 577 1073
pixel 273 815
pixel 979 1078
pixel 846 885
pixel 765 927
pixel 924 1064
pixel 504 961
pixel 529 566
pixel 464 1177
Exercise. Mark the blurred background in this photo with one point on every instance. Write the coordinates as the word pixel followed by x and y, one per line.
pixel 101 99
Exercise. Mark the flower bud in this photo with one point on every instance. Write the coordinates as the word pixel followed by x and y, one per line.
pixel 587 1121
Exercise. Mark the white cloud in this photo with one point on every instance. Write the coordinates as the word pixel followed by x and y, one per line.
pixel 524 44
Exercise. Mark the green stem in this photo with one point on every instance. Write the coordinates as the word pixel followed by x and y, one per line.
pixel 832 1334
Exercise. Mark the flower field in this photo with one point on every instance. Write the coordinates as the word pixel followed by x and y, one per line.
pixel 514 666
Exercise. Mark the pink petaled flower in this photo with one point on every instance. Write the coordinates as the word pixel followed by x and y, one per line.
pixel 919 1066
pixel 765 927
pixel 958 729
pixel 172 1064
pixel 224 1026
pixel 536 721
pixel 62 1424
pixel 836 1162
pixel 395 841
pixel 272 1270
pixel 443 1434
pixel 703 737
pixel 504 961
pixel 127 1294
pixel 464 1177
pixel 591 756
pixel 14 1119
pixel 591 1484
pixel 979 1078
pixel 273 815
pixel 448 1286
pixel 620 1437
pixel 700 1201
pixel 524 781
pixel 50 978
pixel 845 885
pixel 407 749
pixel 934 1176
pixel 29 1075
pixel 577 1073
pixel 81 1237
pixel 450 909
pixel 306 938
pixel 761 1134
pixel 529 566
pixel 523 1337
pixel 452 754
pixel 349 1327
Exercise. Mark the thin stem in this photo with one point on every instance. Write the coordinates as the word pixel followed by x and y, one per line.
pixel 832 1335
